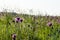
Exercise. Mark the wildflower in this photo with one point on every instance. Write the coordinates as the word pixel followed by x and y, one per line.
pixel 18 19
pixel 49 24
pixel 21 20
pixel 14 36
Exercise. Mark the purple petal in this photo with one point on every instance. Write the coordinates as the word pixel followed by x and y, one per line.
pixel 18 19
pixel 49 24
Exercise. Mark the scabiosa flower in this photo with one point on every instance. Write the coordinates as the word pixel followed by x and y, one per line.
pixel 18 19
pixel 14 36
pixel 49 23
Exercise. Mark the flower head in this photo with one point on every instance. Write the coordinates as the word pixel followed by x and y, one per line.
pixel 14 36
pixel 18 19
pixel 49 23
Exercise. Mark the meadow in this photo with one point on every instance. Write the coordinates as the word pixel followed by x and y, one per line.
pixel 30 28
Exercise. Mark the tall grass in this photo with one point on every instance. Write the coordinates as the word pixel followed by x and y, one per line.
pixel 32 27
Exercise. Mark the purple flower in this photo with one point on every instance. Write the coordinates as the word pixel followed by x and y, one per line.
pixel 18 19
pixel 14 36
pixel 49 23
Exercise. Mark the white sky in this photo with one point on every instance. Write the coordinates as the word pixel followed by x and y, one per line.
pixel 52 7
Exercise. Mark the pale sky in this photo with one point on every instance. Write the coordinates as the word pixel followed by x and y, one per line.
pixel 52 7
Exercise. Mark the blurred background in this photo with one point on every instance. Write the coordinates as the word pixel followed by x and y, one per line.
pixel 33 7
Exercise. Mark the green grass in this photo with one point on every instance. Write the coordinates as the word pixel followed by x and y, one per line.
pixel 37 29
